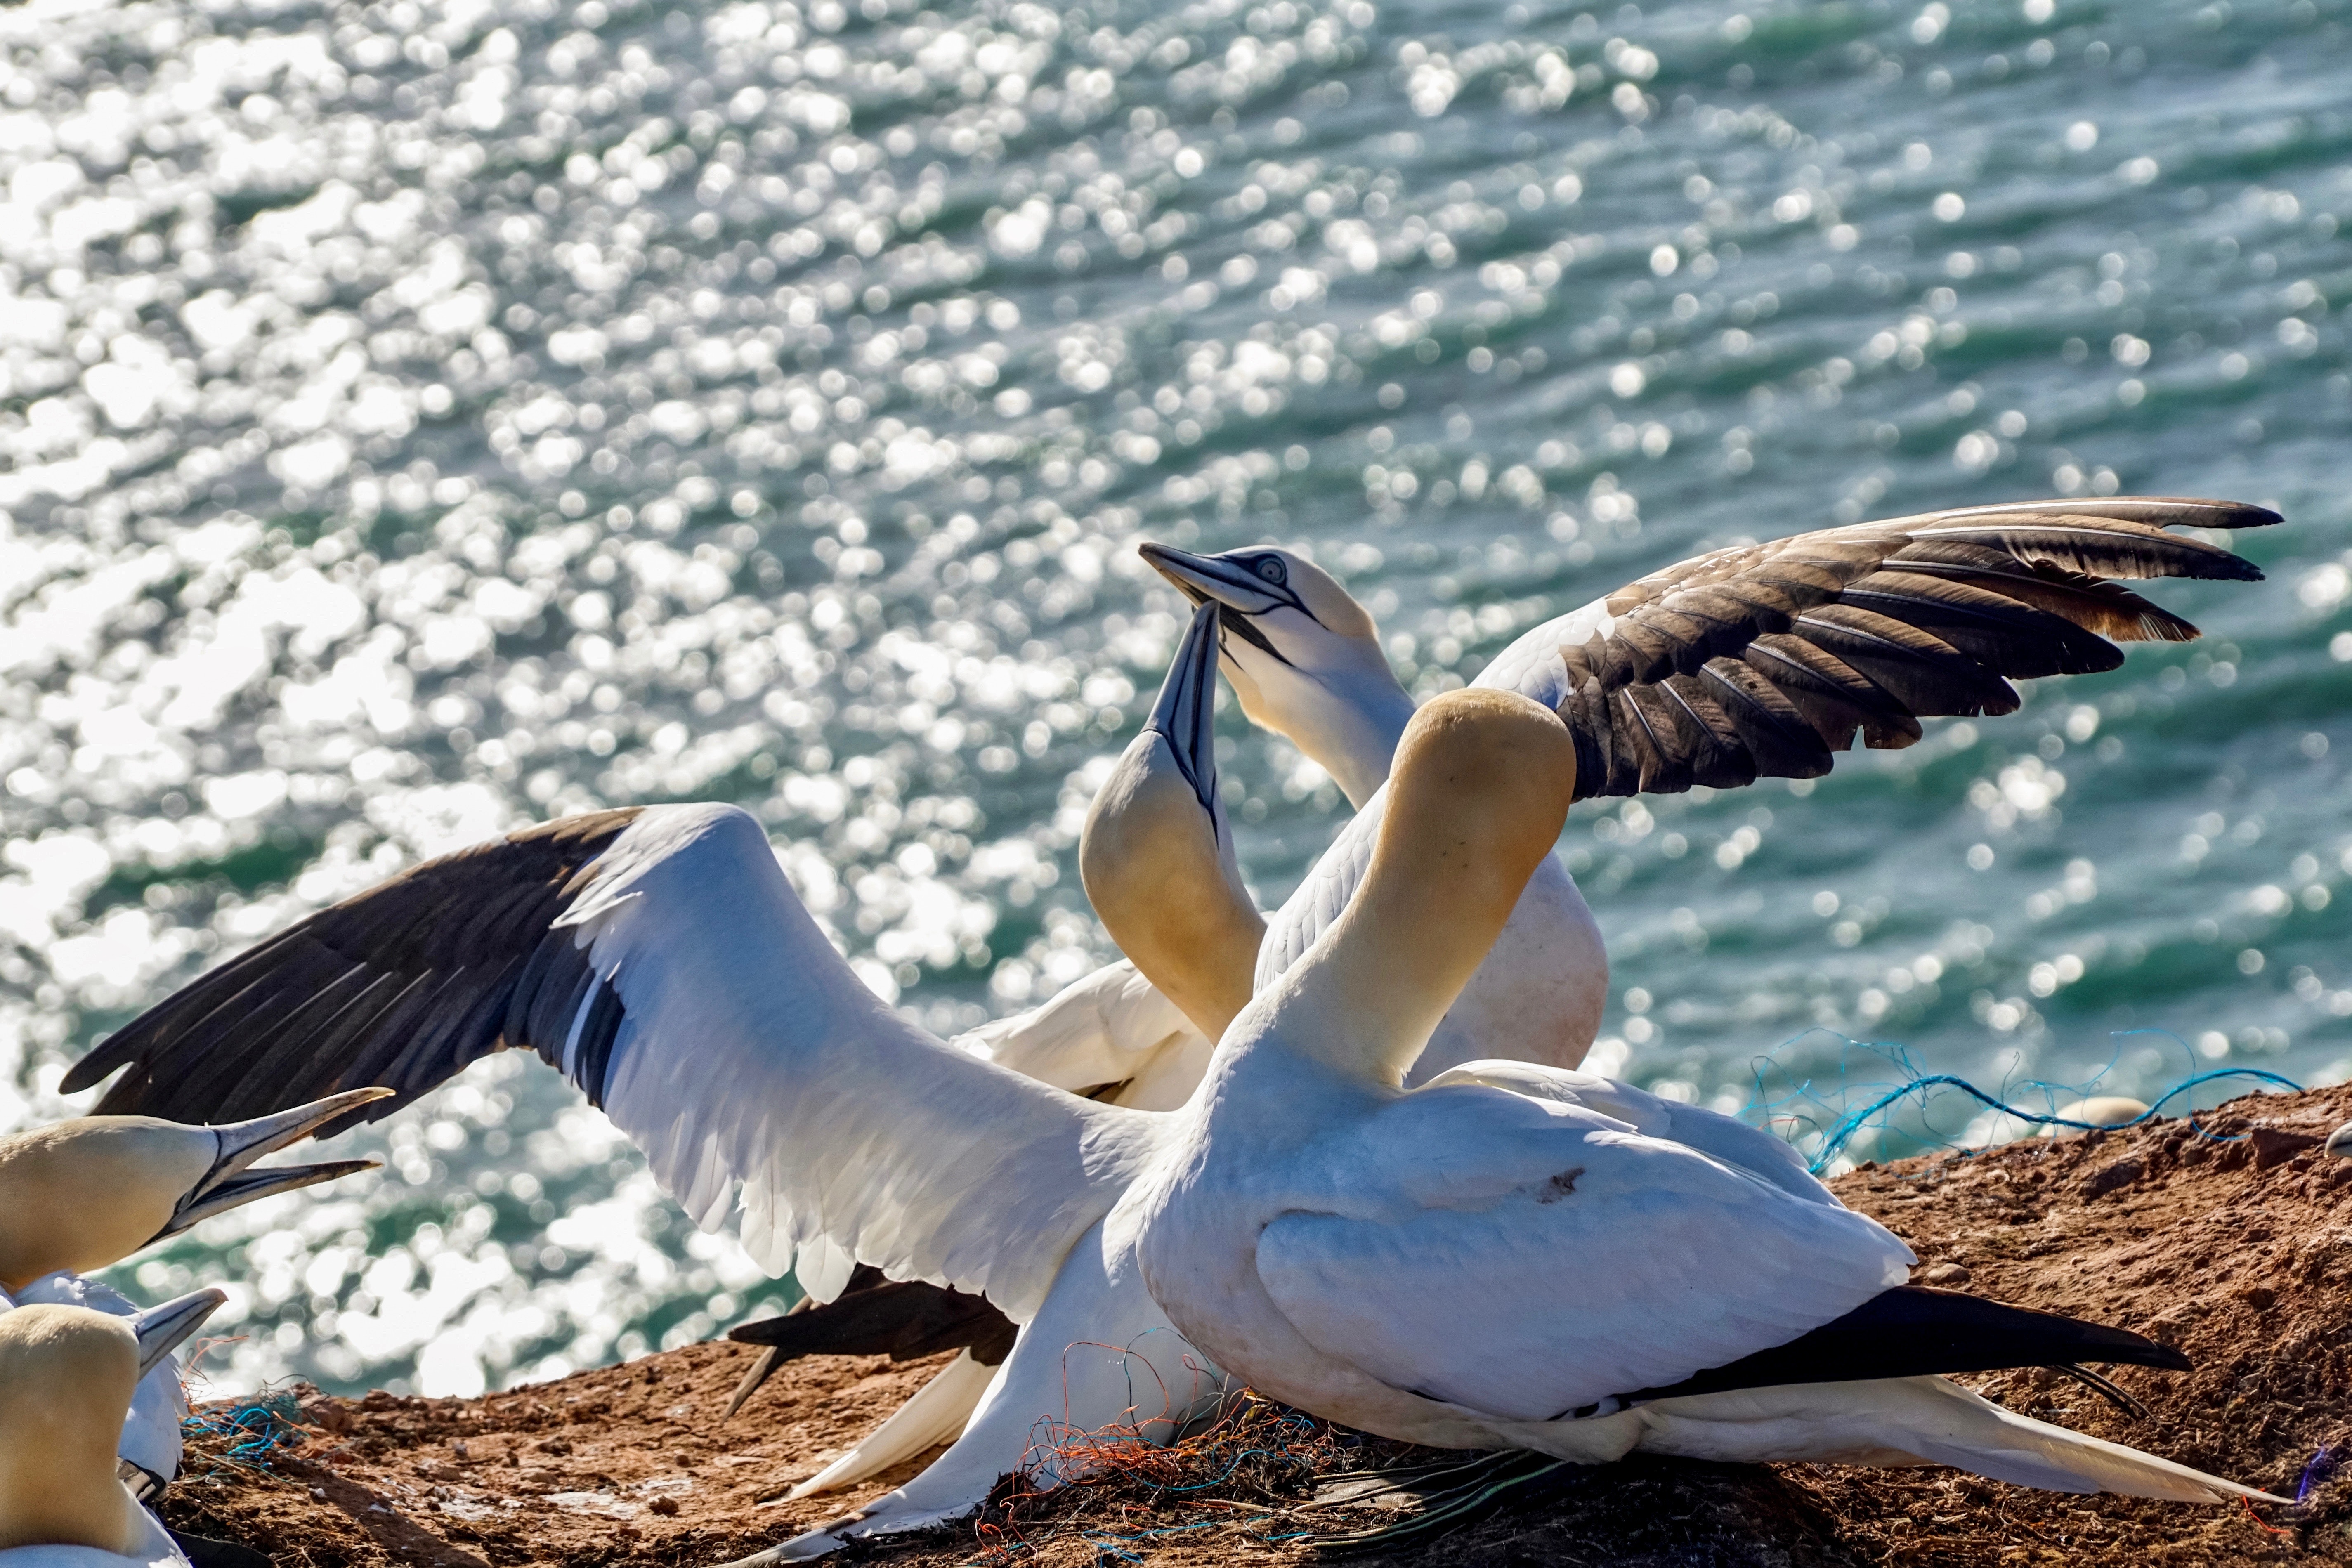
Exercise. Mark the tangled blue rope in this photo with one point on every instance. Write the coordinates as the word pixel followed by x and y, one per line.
pixel 1917 1087
pixel 257 1427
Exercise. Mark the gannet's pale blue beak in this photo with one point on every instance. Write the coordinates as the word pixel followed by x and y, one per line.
pixel 1246 583
pixel 163 1330
pixel 229 1184
pixel 1204 578
pixel 1186 713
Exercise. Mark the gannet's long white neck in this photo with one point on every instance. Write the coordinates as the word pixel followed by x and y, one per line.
pixel 1481 787
pixel 1354 737
pixel 1157 856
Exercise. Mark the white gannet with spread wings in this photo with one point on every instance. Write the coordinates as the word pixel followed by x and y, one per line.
pixel 644 953
pixel 659 960
pixel 1765 661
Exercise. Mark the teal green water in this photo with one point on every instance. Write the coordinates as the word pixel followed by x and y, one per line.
pixel 416 419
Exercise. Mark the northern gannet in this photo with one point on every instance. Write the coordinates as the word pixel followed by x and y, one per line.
pixel 659 959
pixel 1304 658
pixel 653 953
pixel 1156 860
pixel 67 1378
pixel 150 1431
pixel 83 1193
pixel 1517 1257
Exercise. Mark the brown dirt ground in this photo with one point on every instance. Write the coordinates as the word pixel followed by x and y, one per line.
pixel 2239 1253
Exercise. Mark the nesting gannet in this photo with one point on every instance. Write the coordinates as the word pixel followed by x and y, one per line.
pixel 151 1432
pixel 660 960
pixel 67 1378
pixel 2339 1142
pixel 85 1192
pixel 1516 1256
pixel 1304 659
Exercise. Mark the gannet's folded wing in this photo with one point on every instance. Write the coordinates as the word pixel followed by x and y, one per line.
pixel 1763 659
pixel 1524 1258
pixel 1100 1031
pixel 661 960
pixel 1317 900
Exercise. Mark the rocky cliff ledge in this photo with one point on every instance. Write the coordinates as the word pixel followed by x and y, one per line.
pixel 2238 1252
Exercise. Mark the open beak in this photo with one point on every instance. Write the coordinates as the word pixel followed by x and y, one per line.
pixel 229 1184
pixel 163 1330
pixel 1185 716
pixel 1201 578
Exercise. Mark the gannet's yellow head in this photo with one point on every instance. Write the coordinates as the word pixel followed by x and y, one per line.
pixel 87 1193
pixel 1157 854
pixel 66 1376
pixel 1302 655
pixel 65 1379
pixel 1481 787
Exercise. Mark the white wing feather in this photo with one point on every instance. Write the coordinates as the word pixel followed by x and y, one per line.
pixel 1111 1026
pixel 752 1060
pixel 1530 1257
pixel 1532 666
pixel 1726 1138
pixel 1316 902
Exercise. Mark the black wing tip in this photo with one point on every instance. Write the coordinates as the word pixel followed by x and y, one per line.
pixel 91 1071
pixel 2234 514
pixel 1928 1306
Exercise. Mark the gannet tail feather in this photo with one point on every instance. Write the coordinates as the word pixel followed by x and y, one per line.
pixel 1914 1330
pixel 1908 1420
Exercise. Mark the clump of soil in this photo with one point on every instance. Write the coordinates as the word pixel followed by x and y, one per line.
pixel 2238 1252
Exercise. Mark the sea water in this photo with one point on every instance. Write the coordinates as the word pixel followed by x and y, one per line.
pixel 420 419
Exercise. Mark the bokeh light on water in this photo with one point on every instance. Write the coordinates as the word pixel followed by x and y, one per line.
pixel 417 419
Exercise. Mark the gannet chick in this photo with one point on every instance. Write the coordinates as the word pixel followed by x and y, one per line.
pixel 81 1195
pixel 66 1376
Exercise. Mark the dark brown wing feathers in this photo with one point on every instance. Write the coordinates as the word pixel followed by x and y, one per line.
pixel 403 985
pixel 1764 659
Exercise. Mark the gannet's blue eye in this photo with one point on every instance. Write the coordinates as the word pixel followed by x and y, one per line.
pixel 1271 568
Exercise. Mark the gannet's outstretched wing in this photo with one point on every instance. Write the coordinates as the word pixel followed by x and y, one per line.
pixel 660 960
pixel 1765 661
